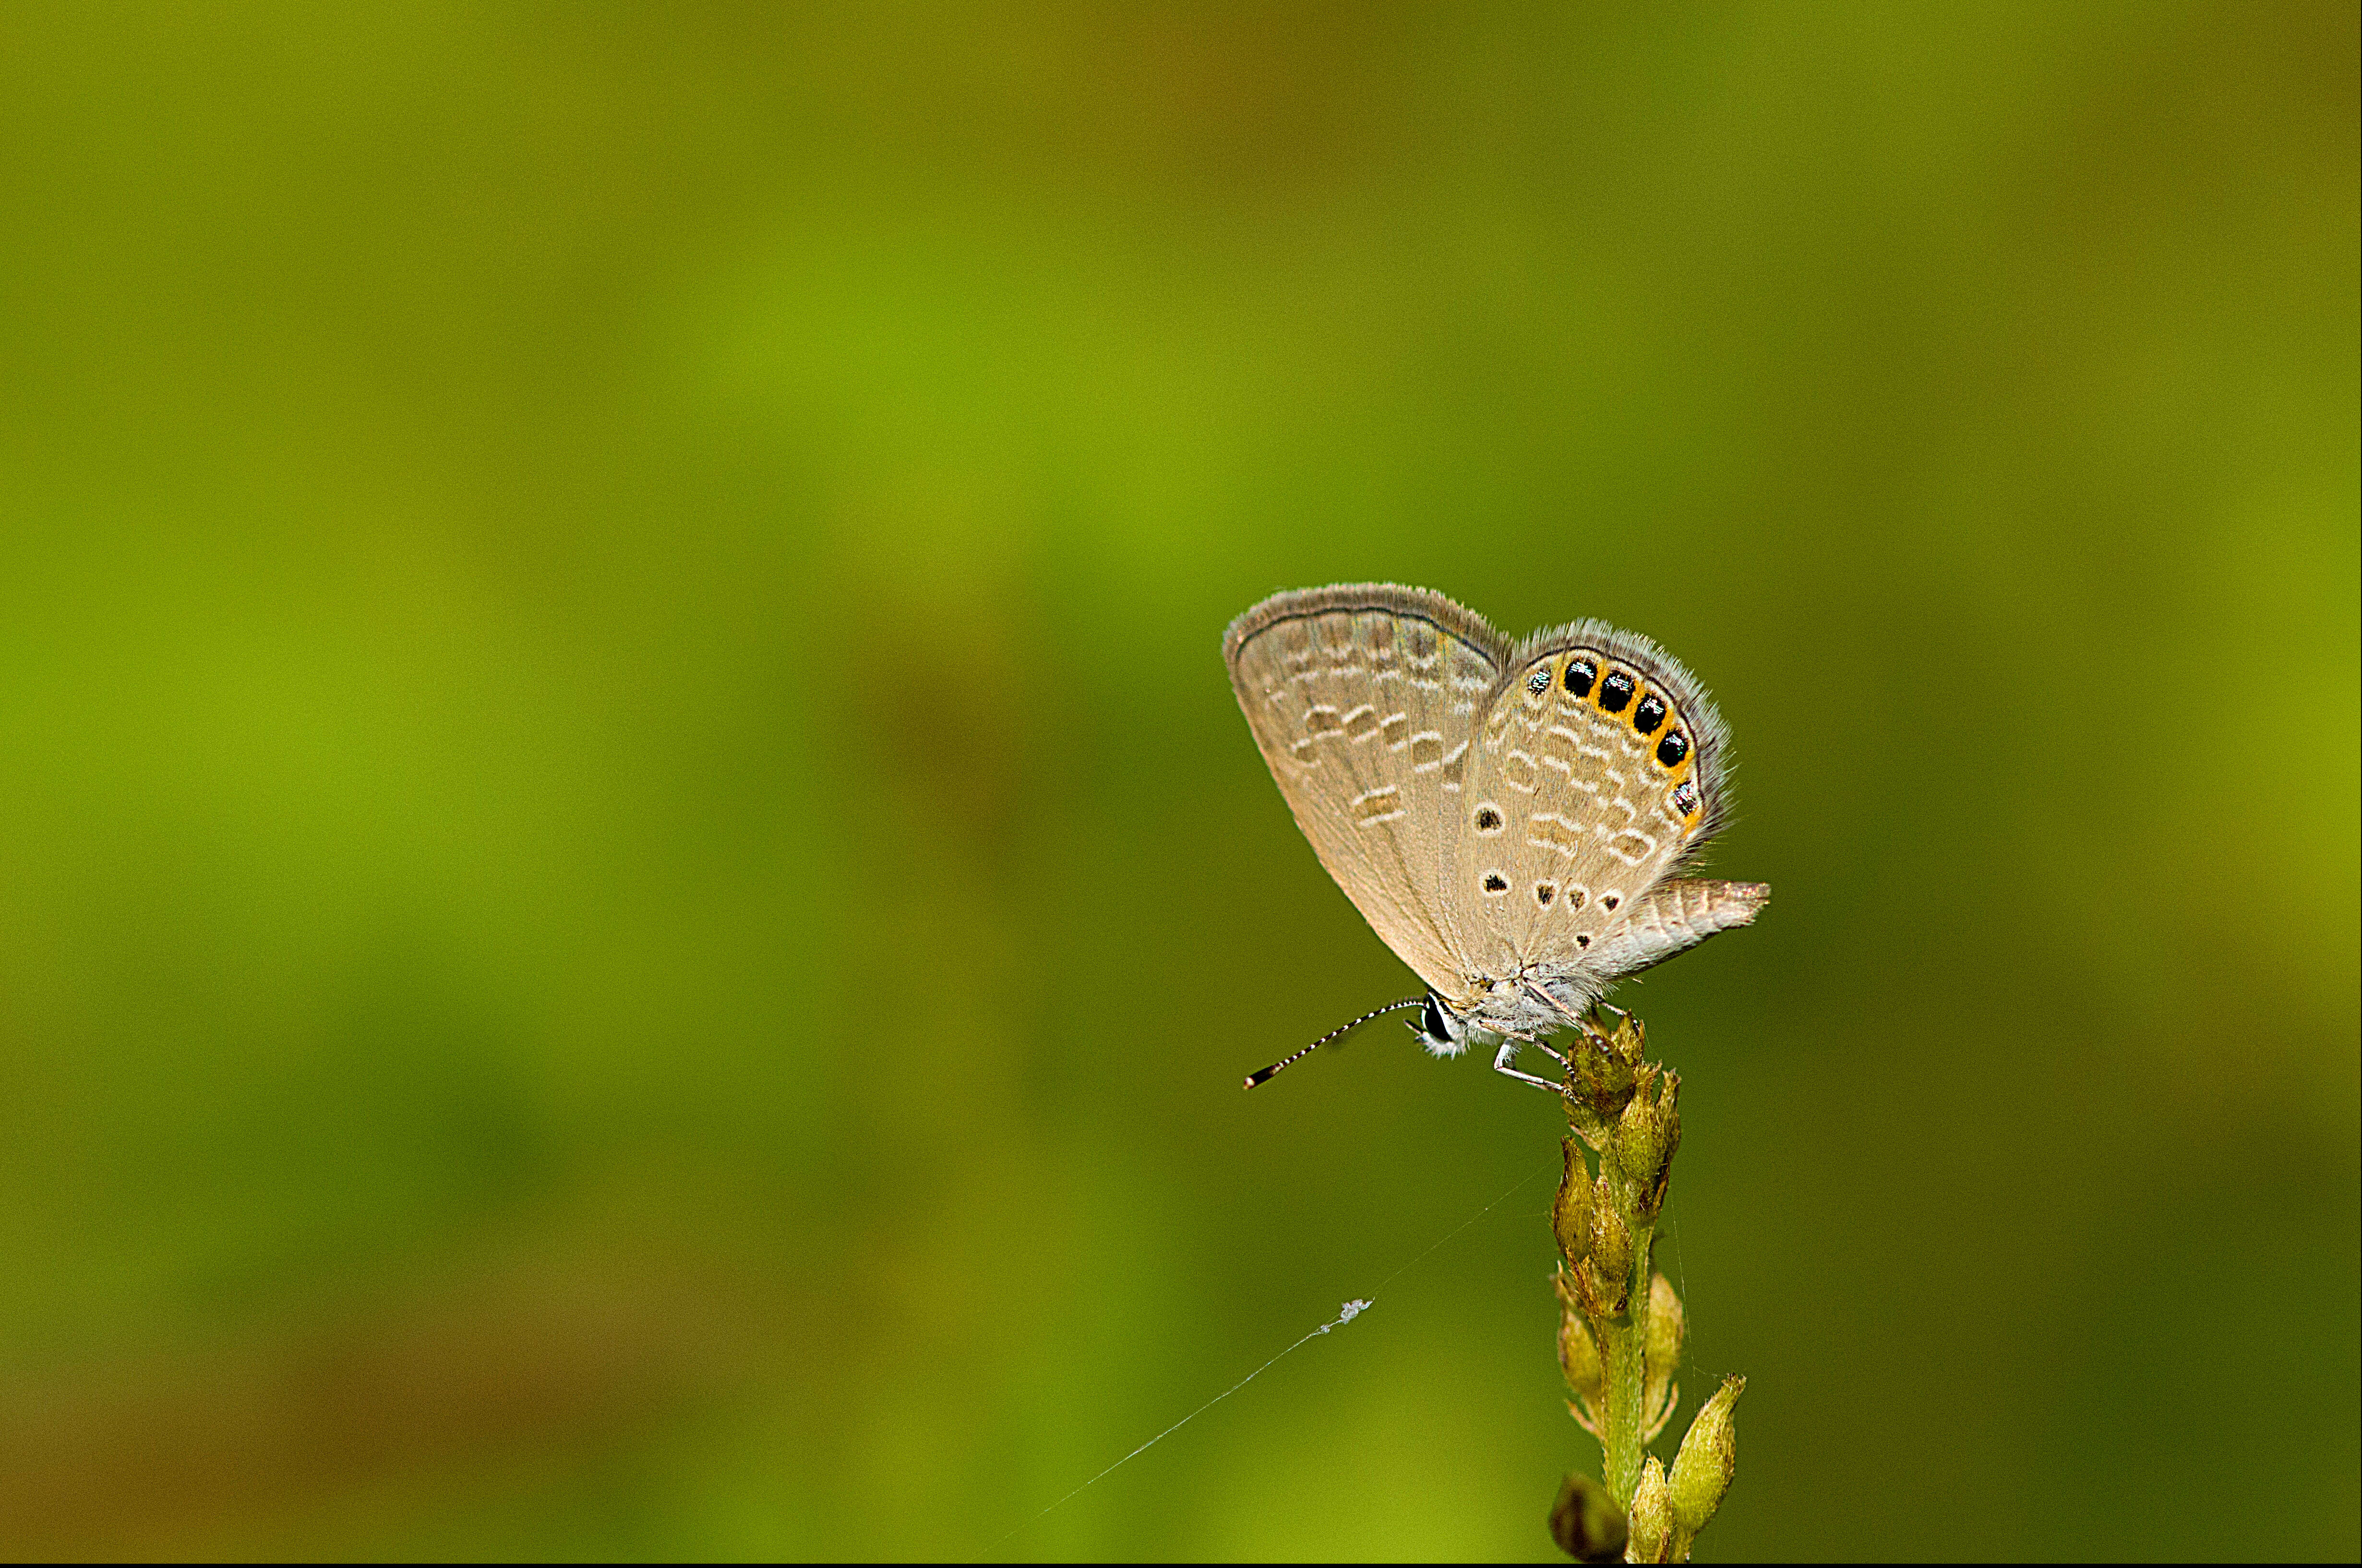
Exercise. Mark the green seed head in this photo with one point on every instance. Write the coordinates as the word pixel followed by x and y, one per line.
pixel 1578 1356
pixel 1653 1517
pixel 1708 1458
pixel 1586 1523
pixel 1661 1354
pixel 1571 1215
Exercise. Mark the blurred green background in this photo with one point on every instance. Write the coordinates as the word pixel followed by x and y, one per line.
pixel 632 898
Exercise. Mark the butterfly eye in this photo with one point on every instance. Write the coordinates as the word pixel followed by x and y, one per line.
pixel 1434 1023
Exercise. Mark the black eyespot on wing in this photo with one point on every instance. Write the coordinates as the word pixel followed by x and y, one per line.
pixel 1496 883
pixel 1488 819
pixel 1580 673
pixel 1537 682
pixel 1582 939
pixel 1672 748
pixel 1649 715
pixel 1615 689
pixel 1686 797
pixel 1611 900
pixel 1544 892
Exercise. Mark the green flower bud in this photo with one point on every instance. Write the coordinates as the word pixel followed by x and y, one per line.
pixel 1661 1357
pixel 1571 1215
pixel 1651 1522
pixel 1624 1035
pixel 1601 1072
pixel 1708 1457
pixel 1578 1357
pixel 1608 1270
pixel 1661 1354
pixel 1644 1140
pixel 1586 1523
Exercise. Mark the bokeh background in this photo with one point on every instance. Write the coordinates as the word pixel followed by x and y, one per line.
pixel 632 898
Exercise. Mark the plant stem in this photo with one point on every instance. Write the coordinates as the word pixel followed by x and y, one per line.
pixel 1627 1379
pixel 1612 1303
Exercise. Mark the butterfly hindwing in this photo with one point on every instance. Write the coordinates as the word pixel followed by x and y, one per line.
pixel 1599 754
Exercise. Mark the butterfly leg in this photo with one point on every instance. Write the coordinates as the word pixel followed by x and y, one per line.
pixel 1545 1047
pixel 1503 1063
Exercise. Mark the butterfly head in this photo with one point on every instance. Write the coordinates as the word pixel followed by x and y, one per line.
pixel 1439 1029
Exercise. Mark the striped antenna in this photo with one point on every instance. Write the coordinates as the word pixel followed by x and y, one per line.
pixel 1272 1071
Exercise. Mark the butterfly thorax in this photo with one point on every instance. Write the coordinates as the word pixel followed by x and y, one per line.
pixel 1530 1006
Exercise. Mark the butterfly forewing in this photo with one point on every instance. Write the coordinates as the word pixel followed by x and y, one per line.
pixel 1363 700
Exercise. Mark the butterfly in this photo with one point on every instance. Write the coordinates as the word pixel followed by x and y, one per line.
pixel 1513 821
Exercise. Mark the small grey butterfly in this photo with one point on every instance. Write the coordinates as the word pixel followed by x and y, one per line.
pixel 1511 821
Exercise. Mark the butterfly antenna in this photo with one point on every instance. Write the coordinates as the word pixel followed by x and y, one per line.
pixel 1272 1072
